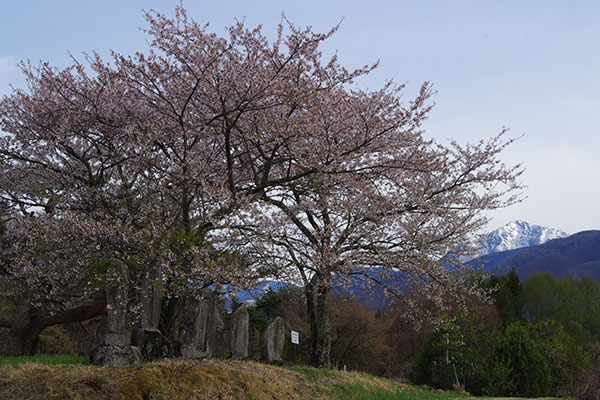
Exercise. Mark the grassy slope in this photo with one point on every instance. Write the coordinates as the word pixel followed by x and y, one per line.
pixel 209 379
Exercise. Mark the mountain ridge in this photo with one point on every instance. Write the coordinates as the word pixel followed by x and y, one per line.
pixel 576 255
pixel 515 235
pixel 527 247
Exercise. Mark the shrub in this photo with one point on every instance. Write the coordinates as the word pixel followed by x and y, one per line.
pixel 566 358
pixel 529 370
pixel 484 363
pixel 458 354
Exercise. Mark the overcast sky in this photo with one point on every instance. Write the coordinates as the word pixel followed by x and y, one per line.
pixel 532 66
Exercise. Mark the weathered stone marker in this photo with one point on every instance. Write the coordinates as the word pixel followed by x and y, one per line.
pixel 192 334
pixel 271 340
pixel 151 297
pixel 238 338
pixel 115 345
pixel 145 334
pixel 201 326
pixel 214 328
pixel 117 288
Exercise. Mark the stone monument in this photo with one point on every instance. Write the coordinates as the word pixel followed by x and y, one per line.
pixel 238 337
pixel 201 326
pixel 271 340
pixel 115 345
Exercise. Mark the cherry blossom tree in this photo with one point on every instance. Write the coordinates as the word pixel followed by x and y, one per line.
pixel 395 204
pixel 224 119
pixel 139 158
pixel 264 148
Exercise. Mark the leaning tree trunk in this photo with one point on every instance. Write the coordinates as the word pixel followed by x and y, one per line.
pixel 318 314
pixel 23 335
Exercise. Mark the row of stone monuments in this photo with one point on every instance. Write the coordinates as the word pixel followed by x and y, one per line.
pixel 201 327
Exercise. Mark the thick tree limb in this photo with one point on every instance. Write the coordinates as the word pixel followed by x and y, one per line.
pixel 77 314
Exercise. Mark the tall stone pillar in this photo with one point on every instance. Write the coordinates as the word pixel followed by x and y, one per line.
pixel 238 337
pixel 115 345
pixel 201 326
pixel 271 340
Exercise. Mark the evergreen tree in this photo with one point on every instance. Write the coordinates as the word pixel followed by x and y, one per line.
pixel 507 297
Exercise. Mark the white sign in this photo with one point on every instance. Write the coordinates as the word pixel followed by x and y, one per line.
pixel 295 337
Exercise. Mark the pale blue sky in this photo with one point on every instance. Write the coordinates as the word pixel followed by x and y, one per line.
pixel 531 66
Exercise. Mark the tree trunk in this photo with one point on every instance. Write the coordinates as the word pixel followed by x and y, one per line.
pixel 24 334
pixel 311 305
pixel 22 338
pixel 170 316
pixel 318 315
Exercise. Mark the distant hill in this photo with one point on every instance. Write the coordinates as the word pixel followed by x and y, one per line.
pixel 527 247
pixel 373 297
pixel 249 297
pixel 577 255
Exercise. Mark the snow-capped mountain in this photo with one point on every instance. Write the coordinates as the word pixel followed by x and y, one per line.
pixel 516 235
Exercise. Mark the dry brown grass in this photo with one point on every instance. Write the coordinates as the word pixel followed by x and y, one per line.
pixel 209 379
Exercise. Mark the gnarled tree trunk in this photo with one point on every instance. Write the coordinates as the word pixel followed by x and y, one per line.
pixel 24 333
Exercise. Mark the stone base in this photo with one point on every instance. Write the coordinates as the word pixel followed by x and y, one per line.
pixel 115 355
pixel 191 352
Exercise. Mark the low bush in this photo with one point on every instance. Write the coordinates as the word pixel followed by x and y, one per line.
pixel 516 361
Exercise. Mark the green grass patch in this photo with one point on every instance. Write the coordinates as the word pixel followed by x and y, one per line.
pixel 313 373
pixel 45 360
pixel 360 386
pixel 358 391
